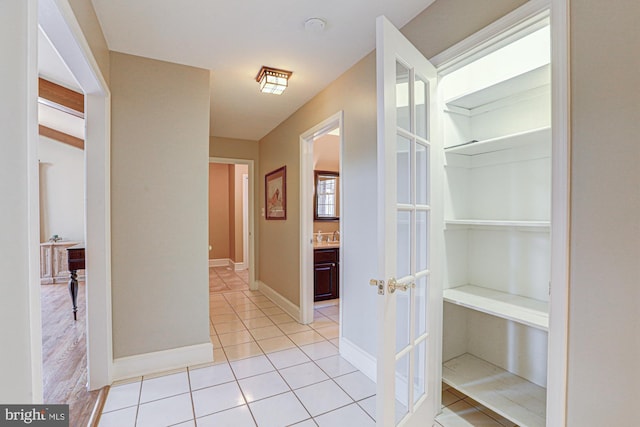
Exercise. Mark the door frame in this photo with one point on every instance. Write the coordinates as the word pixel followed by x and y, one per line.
pixel 245 219
pixel 59 23
pixel 495 36
pixel 253 285
pixel 306 212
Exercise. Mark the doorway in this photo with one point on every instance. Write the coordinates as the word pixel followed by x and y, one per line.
pixel 61 193
pixel 321 150
pixel 59 25
pixel 231 251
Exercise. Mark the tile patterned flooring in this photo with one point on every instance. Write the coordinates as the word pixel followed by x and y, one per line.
pixel 224 279
pixel 269 370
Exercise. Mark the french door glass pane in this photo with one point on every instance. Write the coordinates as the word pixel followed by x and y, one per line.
pixel 422 174
pixel 421 94
pixel 403 112
pixel 422 236
pixel 403 172
pixel 402 386
pixel 421 306
pixel 420 371
pixel 403 320
pixel 403 252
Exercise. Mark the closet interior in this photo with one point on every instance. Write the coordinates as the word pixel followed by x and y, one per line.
pixel 497 131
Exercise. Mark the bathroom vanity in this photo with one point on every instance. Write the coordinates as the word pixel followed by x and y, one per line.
pixel 326 267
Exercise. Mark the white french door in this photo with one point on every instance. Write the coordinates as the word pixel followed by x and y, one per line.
pixel 410 230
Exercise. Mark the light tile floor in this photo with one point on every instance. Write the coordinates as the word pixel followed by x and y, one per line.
pixel 268 371
pixel 224 279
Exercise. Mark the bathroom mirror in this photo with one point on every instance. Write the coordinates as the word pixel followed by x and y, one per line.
pixel 326 203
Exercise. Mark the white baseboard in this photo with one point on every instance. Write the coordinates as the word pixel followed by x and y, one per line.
pixel 359 358
pixel 220 262
pixel 237 266
pixel 160 361
pixel 290 308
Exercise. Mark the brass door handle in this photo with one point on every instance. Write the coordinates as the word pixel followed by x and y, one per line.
pixel 404 287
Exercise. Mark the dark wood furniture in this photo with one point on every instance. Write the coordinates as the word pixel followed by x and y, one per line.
pixel 325 274
pixel 75 260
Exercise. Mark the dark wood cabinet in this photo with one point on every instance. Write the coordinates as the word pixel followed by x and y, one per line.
pixel 325 274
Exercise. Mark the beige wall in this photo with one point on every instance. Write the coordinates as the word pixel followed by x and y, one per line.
pixel 160 126
pixel 61 190
pixel 219 210
pixel 233 148
pixel 604 337
pixel 225 211
pixel 86 16
pixel 446 22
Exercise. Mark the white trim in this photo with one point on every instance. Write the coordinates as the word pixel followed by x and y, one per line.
pixel 557 375
pixel 359 358
pixel 219 262
pixel 253 285
pixel 239 266
pixel 286 305
pixel 306 211
pixel 57 20
pixel 493 36
pixel 160 361
pixel 245 221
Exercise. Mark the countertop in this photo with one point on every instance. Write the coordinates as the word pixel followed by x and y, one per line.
pixel 325 245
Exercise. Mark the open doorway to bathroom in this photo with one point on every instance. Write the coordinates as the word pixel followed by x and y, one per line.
pixel 321 227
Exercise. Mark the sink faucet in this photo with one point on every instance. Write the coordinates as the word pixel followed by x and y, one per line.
pixel 334 236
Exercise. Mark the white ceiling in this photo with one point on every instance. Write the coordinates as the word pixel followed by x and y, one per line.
pixel 50 65
pixel 235 38
pixel 52 68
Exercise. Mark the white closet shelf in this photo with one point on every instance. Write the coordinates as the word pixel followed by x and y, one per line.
pixel 528 311
pixel 509 395
pixel 538 135
pixel 526 81
pixel 490 223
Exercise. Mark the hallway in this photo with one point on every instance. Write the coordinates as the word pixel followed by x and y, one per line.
pixel 269 370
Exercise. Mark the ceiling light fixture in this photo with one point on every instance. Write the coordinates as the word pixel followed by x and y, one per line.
pixel 273 80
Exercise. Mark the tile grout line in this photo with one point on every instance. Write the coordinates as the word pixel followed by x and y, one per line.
pixel 135 422
pixel 193 407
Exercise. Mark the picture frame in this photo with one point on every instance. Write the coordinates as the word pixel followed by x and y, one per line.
pixel 275 194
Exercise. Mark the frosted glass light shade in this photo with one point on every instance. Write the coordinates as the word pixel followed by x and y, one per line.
pixel 272 80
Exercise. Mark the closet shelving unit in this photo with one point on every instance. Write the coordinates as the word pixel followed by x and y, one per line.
pixel 497 229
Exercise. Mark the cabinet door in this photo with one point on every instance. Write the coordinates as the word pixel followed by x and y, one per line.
pixel 325 281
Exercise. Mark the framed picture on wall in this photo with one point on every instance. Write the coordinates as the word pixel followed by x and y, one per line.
pixel 275 184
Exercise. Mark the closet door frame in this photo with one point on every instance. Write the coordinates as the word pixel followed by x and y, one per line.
pixel 493 37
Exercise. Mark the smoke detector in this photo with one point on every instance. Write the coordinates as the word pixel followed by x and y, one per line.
pixel 315 25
